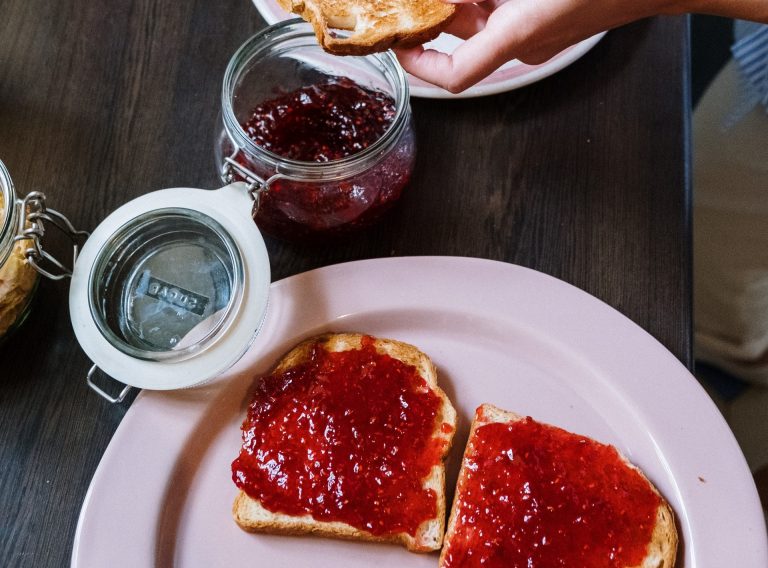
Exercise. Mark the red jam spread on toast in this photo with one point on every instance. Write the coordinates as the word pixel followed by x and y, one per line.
pixel 322 122
pixel 344 436
pixel 536 495
pixel 326 122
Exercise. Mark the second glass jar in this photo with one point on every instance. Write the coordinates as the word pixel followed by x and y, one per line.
pixel 280 88
pixel 18 279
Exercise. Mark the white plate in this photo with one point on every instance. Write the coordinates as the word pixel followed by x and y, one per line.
pixel 498 333
pixel 508 77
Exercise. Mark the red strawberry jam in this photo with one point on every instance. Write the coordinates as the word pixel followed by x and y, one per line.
pixel 537 496
pixel 345 436
pixel 326 122
pixel 323 122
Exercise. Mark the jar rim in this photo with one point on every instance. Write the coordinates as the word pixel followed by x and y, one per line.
pixel 292 29
pixel 7 225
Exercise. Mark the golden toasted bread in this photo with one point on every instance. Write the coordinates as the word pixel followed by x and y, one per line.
pixel 376 25
pixel 660 550
pixel 252 516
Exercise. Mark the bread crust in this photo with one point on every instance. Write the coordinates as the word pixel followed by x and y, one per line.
pixel 662 548
pixel 251 516
pixel 375 26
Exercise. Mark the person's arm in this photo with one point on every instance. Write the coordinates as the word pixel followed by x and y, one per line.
pixel 754 10
pixel 497 31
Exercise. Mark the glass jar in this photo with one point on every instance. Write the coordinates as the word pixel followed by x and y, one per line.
pixel 170 289
pixel 283 69
pixel 167 292
pixel 18 279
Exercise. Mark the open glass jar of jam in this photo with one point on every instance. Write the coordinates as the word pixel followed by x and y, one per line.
pixel 18 279
pixel 326 142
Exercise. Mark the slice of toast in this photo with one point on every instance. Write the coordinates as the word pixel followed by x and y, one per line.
pixel 252 515
pixel 499 548
pixel 376 25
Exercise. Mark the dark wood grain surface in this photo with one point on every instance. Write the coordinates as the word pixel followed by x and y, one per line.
pixel 582 176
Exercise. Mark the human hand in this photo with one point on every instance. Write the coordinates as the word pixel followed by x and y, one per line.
pixel 533 31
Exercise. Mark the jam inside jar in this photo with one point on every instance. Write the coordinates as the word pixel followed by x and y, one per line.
pixel 330 137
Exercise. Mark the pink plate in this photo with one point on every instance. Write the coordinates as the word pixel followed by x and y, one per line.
pixel 509 76
pixel 498 333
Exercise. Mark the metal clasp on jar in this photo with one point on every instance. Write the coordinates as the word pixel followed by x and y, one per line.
pixel 33 215
pixel 256 184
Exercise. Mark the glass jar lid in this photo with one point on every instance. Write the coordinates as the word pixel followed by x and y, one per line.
pixel 170 290
pixel 166 285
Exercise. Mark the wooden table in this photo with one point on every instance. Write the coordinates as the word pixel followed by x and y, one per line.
pixel 583 176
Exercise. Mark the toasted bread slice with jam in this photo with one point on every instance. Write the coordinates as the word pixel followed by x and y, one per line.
pixel 361 412
pixel 376 25
pixel 529 492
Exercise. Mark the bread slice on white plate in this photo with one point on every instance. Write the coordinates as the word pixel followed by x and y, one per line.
pixel 661 545
pixel 251 515
pixel 376 25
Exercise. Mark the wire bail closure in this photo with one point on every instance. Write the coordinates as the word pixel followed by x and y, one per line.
pixel 34 213
pixel 112 399
pixel 256 184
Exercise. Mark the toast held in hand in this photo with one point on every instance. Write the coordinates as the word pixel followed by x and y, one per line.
pixel 376 25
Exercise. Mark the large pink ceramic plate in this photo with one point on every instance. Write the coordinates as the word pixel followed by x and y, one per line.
pixel 510 76
pixel 498 333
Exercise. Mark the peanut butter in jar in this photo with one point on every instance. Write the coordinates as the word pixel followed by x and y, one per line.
pixel 18 278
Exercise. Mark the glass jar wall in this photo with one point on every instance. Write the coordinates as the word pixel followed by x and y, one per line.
pixel 331 137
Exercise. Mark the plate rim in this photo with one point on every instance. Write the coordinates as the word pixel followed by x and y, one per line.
pixel 747 501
